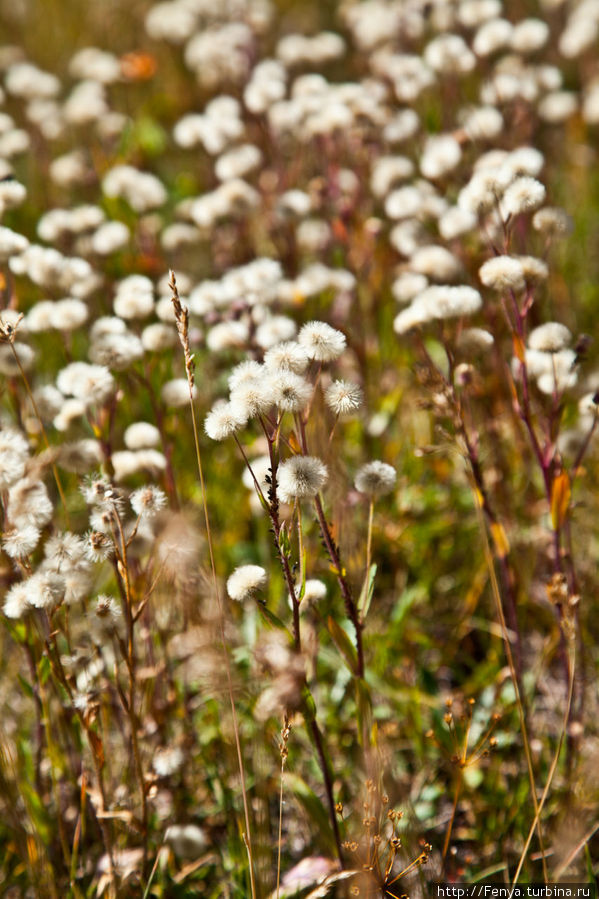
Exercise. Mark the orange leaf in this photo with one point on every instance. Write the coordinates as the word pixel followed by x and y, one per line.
pixel 500 540
pixel 519 350
pixel 137 66
pixel 97 747
pixel 560 499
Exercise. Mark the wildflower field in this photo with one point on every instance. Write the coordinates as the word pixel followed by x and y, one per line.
pixel 299 386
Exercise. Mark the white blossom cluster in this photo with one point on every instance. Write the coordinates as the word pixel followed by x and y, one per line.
pixel 286 178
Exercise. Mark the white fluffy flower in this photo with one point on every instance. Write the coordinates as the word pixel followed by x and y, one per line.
pixel 321 342
pixel 525 194
pixel 16 602
pixel 147 501
pixel 245 581
pixel 176 392
pixel 343 397
pixel 502 273
pixel 223 420
pixel 14 452
pixel 375 478
pixel 314 590
pixel 549 338
pixel 140 435
pixel 301 477
pixel 20 542
pixel 89 383
pixel 291 392
pixel 287 356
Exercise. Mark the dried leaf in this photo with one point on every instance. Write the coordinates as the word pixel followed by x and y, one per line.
pixel 561 493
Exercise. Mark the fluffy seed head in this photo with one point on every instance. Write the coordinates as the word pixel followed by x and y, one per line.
pixel 291 392
pixel 321 342
pixel 20 542
pixel 245 581
pixel 301 477
pixel 223 420
pixel 314 590
pixel 375 478
pixel 147 501
pixel 287 356
pixel 502 273
pixel 14 452
pixel 549 338
pixel 525 194
pixel 140 435
pixel 252 397
pixel 16 602
pixel 343 397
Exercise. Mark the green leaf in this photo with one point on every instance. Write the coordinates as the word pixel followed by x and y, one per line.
pixel 302 590
pixel 271 617
pixel 284 545
pixel 364 710
pixel 44 669
pixel 343 644
pixel 367 591
pixel 27 688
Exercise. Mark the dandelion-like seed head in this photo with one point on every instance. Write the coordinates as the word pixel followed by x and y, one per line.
pixel 289 355
pixel 375 478
pixel 16 601
pixel 245 581
pixel 223 420
pixel 343 397
pixel 107 611
pixel 18 543
pixel 244 372
pixel 525 194
pixel 322 342
pixel 98 546
pixel 252 397
pixel 549 338
pixel 148 501
pixel 291 392
pixel 168 760
pixel 502 273
pixel 314 591
pixel 301 477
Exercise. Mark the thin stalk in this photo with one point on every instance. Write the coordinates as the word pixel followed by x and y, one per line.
pixel 182 317
pixel 350 606
pixel 515 681
pixel 55 661
pixel 283 749
pixel 369 538
pixel 456 796
pixel 123 569
pixel 328 783
pixel 552 770
pixel 273 514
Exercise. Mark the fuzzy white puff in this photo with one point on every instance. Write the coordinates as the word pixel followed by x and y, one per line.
pixel 14 452
pixel 291 392
pixel 525 194
pixel 301 477
pixel 549 338
pixel 140 435
pixel 245 580
pixel 375 478
pixel 502 273
pixel 223 420
pixel 343 397
pixel 147 501
pixel 321 342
